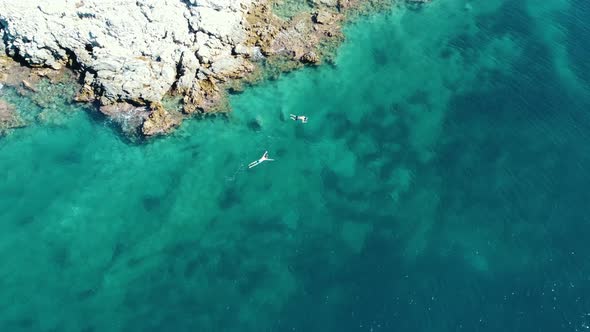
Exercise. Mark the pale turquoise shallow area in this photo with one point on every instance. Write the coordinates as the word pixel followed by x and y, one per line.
pixel 441 184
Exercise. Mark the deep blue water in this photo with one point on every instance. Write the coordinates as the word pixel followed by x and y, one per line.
pixel 441 184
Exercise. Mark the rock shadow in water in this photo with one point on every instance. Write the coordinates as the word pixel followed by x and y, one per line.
pixel 86 294
pixel 70 157
pixel 60 256
pixel 229 198
pixel 151 203
pixel 27 220
pixel 381 57
pixel 254 125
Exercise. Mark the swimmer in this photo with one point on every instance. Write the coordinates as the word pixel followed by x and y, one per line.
pixel 261 160
pixel 295 118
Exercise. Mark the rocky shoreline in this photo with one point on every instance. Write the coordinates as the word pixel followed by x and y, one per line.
pixel 128 56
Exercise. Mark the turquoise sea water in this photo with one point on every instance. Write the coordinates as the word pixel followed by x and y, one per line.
pixel 441 184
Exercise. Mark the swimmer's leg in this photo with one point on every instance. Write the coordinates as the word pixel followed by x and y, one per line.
pixel 254 163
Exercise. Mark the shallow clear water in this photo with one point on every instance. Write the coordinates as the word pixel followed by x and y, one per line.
pixel 440 184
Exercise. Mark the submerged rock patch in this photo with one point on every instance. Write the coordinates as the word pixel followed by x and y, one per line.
pixel 8 117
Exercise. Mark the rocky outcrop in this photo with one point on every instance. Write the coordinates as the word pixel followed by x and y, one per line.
pixel 126 116
pixel 310 57
pixel 25 79
pixel 159 122
pixel 131 50
pixel 137 52
pixel 2 46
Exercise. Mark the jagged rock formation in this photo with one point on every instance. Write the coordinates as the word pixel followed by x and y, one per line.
pixel 159 121
pixel 137 52
pixel 2 46
pixel 127 50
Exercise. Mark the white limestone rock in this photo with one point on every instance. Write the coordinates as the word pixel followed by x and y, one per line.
pixel 230 67
pixel 225 25
pixel 252 52
pixel 230 5
pixel 329 3
pixel 209 48
pixel 2 46
pixel 133 48
pixel 189 64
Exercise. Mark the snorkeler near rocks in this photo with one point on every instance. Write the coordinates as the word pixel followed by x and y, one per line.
pixel 129 56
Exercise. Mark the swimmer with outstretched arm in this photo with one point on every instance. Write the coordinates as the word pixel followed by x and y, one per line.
pixel 261 160
pixel 296 118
